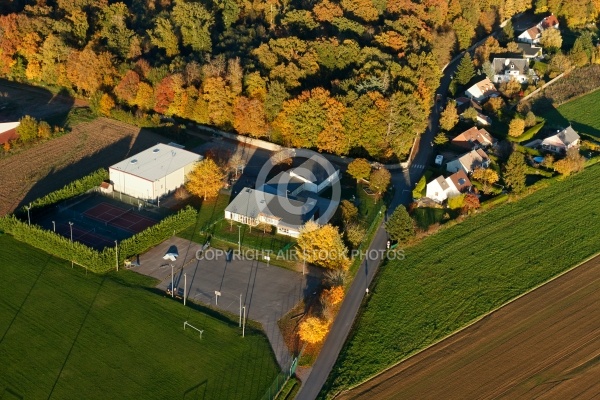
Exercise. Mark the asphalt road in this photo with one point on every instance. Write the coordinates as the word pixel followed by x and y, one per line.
pixel 403 182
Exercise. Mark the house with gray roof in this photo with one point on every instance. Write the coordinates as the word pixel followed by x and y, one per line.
pixel 561 141
pixel 442 188
pixel 506 69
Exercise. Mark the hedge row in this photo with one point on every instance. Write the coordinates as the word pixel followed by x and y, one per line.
pixel 527 150
pixel 528 134
pixel 59 246
pixel 97 261
pixel 72 189
pixel 158 233
pixel 494 201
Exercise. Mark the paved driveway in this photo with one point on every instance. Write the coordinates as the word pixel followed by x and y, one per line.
pixel 268 292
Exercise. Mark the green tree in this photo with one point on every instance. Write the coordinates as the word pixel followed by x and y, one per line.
pixel 515 172
pixel 465 70
pixel 530 119
pixel 348 211
pixel 27 129
pixel 440 139
pixel 449 117
pixel 163 36
pixel 194 22
pixel 464 32
pixel 488 69
pixel 470 114
pixel 400 226
pixel 359 169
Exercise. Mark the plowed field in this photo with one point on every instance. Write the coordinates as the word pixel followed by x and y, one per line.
pixel 545 345
pixel 51 165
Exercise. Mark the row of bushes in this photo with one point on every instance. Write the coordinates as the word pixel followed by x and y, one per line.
pixel 58 245
pixel 494 201
pixel 72 189
pixel 158 233
pixel 527 150
pixel 528 134
pixel 97 261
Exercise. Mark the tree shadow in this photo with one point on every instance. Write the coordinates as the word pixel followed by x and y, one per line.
pixel 194 391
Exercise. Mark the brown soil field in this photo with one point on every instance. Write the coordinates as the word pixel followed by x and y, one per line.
pixel 544 345
pixel 49 166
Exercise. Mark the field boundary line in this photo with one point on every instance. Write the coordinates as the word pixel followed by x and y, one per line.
pixel 473 322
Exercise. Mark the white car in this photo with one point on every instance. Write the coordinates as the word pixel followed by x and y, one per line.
pixel 439 159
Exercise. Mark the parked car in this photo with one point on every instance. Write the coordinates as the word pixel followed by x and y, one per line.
pixel 439 159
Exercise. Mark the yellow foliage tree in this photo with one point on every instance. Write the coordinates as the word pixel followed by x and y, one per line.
pixel 313 330
pixel 486 176
pixel 333 296
pixel 573 162
pixel 516 127
pixel 106 104
pixel 323 245
pixel 206 179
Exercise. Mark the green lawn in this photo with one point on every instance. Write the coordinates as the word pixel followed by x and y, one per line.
pixel 462 272
pixel 581 113
pixel 68 335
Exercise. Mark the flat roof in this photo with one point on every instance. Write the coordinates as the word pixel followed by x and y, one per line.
pixel 157 162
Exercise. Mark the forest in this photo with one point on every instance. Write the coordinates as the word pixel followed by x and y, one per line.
pixel 348 77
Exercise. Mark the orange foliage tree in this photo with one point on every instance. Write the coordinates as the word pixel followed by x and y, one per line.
pixel 313 330
pixel 249 117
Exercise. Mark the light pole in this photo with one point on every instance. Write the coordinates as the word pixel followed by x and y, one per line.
pixel 239 239
pixel 240 310
pixel 244 323
pixel 28 217
pixel 184 288
pixel 304 263
pixel 71 228
pixel 268 259
pixel 117 256
pixel 172 288
pixel 54 226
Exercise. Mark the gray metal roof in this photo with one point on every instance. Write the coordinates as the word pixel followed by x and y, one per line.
pixel 568 135
pixel 502 64
pixel 157 162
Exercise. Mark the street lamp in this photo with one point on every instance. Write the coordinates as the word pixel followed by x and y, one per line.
pixel 172 288
pixel 71 228
pixel 28 217
pixel 117 256
pixel 239 239
pixel 54 226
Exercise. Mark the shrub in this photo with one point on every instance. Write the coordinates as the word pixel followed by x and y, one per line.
pixel 72 189
pixel 527 150
pixel 419 190
pixel 495 201
pixel 528 134
pixel 456 203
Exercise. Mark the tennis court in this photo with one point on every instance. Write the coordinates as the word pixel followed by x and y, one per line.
pixel 97 220
pixel 120 217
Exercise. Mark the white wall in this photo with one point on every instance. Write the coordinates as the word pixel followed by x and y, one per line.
pixel 169 183
pixel 131 185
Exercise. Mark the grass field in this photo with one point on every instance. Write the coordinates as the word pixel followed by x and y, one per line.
pixel 462 272
pixel 581 113
pixel 68 335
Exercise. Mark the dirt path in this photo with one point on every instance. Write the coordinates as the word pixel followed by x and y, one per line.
pixel 51 165
pixel 544 345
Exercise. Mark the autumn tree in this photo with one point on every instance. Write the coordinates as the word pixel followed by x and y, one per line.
pixel 323 246
pixel 249 117
pixel 465 70
pixel 470 203
pixel 494 105
pixel 449 117
pixel 163 36
pixel 359 169
pixel 313 330
pixel 88 71
pixel 516 127
pixel 530 119
pixel 470 114
pixel 512 87
pixel 348 211
pixel 333 296
pixel 572 163
pixel 379 181
pixel 326 10
pixel 194 23
pixel 400 226
pixel 206 179
pixel 354 233
pixel 551 39
pixel 487 177
pixel 515 172
pixel 464 32
pixel 106 104
pixel 126 90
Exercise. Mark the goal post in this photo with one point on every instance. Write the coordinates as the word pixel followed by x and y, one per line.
pixel 200 331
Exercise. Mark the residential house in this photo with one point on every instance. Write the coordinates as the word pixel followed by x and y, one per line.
pixel 287 201
pixel 8 131
pixel 473 138
pixel 469 162
pixel 442 188
pixel 534 34
pixel 506 69
pixel 530 51
pixel 482 90
pixel 562 141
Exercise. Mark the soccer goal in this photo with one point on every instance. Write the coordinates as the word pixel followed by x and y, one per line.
pixel 193 327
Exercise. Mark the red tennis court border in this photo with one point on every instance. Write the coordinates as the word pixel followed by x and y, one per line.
pixel 119 217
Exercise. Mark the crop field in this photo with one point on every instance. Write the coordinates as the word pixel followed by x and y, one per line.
pixel 543 345
pixel 65 334
pixel 453 277
pixel 581 113
pixel 49 166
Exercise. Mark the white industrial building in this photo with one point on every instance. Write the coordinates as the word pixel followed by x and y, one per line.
pixel 154 172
